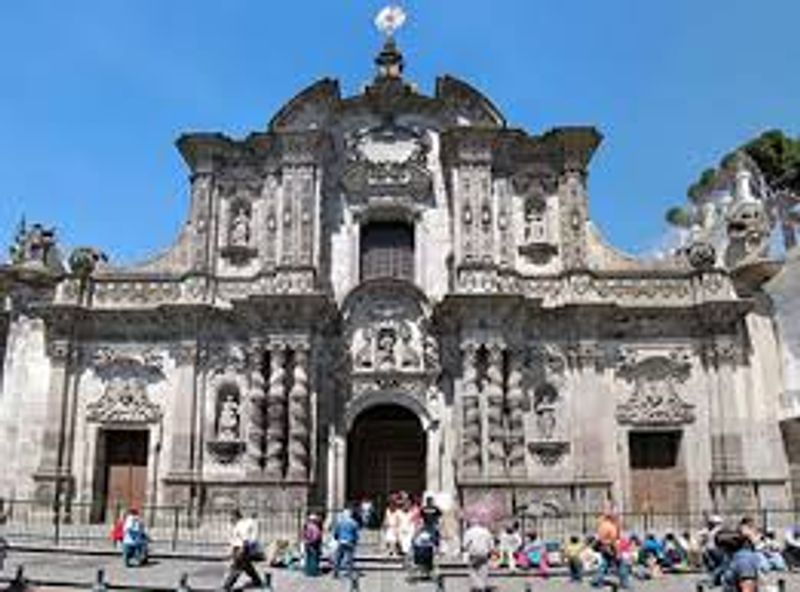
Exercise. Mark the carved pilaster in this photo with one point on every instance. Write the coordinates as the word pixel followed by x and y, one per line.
pixel 494 396
pixel 516 416
pixel 269 193
pixel 299 418
pixel 573 218
pixel 471 428
pixel 276 414
pixel 201 218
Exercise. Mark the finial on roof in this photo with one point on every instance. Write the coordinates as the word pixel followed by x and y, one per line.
pixel 390 60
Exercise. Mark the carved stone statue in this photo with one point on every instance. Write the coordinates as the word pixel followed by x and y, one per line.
pixel 362 357
pixel 35 246
pixel 409 357
pixel 544 405
pixel 240 228
pixel 228 420
pixel 387 339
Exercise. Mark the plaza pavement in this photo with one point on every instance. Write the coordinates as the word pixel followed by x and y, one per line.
pixel 73 572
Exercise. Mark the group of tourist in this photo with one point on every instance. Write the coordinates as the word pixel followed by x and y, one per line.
pixel 734 556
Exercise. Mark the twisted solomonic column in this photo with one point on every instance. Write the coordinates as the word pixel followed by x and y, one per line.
pixel 276 414
pixel 493 391
pixel 470 402
pixel 257 417
pixel 299 418
pixel 515 402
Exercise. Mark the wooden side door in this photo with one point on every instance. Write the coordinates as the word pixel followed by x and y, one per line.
pixel 658 479
pixel 126 468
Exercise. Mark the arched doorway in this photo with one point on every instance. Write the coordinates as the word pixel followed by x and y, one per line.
pixel 386 452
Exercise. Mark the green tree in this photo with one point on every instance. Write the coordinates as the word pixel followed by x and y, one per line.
pixel 778 159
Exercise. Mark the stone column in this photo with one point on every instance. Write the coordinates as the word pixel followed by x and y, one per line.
pixel 516 416
pixel 182 401
pixel 276 414
pixel 256 411
pixel 299 418
pixel 494 394
pixel 53 446
pixel 470 403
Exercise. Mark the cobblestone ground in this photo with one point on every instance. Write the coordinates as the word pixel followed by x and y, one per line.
pixel 165 573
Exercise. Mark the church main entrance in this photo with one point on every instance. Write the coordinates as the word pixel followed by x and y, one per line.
pixel 386 451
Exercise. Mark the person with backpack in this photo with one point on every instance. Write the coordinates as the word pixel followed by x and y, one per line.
pixel 134 540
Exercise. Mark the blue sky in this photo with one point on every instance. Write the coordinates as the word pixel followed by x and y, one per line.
pixel 94 93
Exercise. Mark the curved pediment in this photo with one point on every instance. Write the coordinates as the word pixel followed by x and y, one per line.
pixel 466 105
pixel 309 109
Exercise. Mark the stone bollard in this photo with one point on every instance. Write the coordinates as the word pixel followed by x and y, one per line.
pixel 439 583
pixel 100 582
pixel 614 587
pixel 267 579
pixel 19 583
pixel 781 585
pixel 355 586
pixel 700 587
pixel 183 583
pixel 528 587
pixel 3 552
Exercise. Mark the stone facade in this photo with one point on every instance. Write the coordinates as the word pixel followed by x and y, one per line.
pixel 532 353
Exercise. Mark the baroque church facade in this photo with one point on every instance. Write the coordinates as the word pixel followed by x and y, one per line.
pixel 394 291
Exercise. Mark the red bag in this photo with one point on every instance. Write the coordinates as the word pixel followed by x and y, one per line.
pixel 117 531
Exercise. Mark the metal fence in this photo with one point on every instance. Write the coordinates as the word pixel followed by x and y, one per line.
pixel 169 527
pixel 182 528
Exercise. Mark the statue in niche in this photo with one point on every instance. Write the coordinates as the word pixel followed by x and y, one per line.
pixel 387 339
pixel 228 419
pixel 240 227
pixel 545 400
pixel 409 358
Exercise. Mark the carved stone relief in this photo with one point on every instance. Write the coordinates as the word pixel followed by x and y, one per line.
pixel 655 400
pixel 126 375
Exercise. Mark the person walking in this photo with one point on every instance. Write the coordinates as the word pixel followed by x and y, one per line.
pixel 431 515
pixel 242 546
pixel 478 545
pixel 312 542
pixel 346 535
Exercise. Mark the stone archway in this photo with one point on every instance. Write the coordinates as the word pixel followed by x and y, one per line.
pixel 386 452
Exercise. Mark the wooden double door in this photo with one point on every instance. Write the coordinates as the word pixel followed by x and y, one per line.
pixel 122 469
pixel 658 473
pixel 386 452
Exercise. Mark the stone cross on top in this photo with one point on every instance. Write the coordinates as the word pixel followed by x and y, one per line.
pixel 389 60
